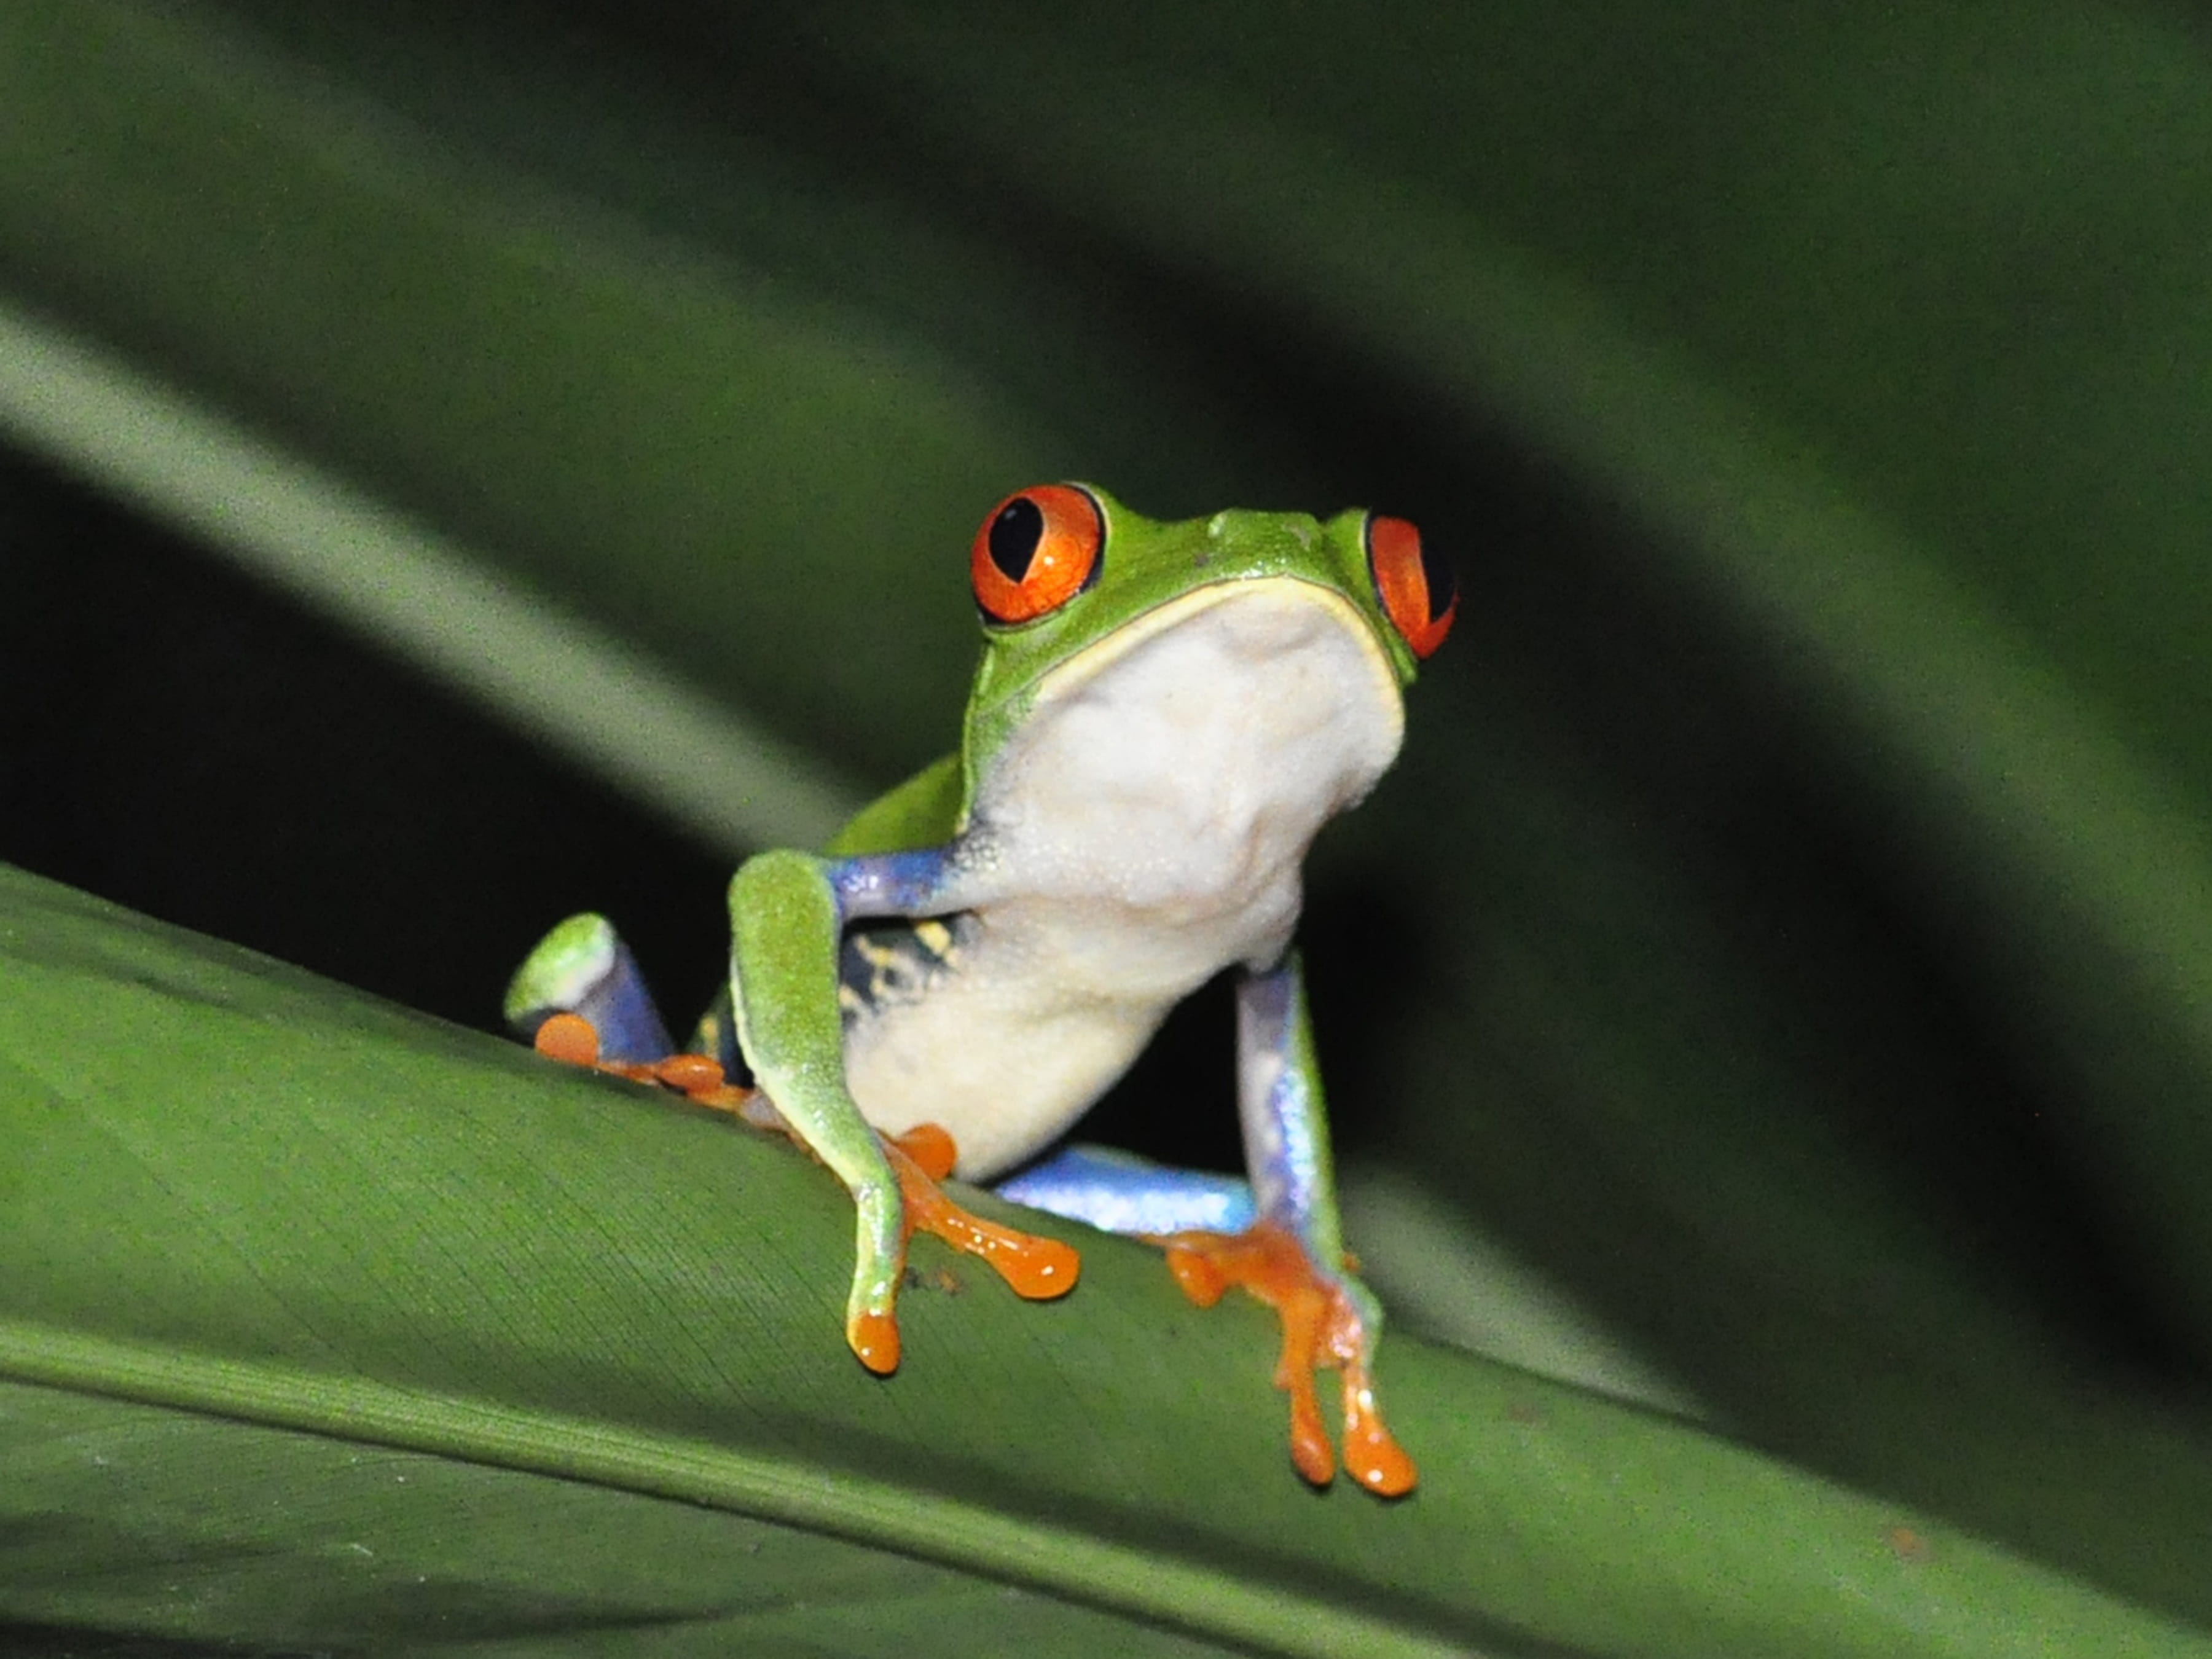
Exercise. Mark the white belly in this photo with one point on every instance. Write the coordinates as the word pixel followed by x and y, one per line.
pixel 1144 829
pixel 1003 1062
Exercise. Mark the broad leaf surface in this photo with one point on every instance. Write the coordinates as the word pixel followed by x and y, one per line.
pixel 564 1353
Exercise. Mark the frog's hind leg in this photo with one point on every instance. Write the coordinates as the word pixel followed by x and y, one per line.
pixel 580 999
pixel 583 968
pixel 1118 1192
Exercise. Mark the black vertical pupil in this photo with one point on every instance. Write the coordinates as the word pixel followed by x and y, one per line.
pixel 1437 573
pixel 1015 534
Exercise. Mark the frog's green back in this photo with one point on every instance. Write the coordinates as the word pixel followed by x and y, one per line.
pixel 923 811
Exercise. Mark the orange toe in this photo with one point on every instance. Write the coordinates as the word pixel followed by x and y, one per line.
pixel 875 1338
pixel 569 1038
pixel 689 1074
pixel 930 1145
pixel 1036 1267
pixel 573 1039
pixel 1372 1455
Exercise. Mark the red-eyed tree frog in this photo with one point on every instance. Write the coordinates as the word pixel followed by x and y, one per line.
pixel 1163 717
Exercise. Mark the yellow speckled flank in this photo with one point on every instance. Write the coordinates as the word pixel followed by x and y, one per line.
pixel 883 967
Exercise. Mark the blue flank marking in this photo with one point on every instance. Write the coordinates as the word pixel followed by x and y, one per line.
pixel 888 883
pixel 1121 1194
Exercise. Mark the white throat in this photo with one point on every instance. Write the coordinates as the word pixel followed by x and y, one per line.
pixel 1172 776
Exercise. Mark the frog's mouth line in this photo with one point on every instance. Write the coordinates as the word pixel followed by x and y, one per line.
pixel 1096 659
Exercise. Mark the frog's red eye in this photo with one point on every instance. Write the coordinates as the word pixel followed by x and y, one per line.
pixel 1036 552
pixel 1415 586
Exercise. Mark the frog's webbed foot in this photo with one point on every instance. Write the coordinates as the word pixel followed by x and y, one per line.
pixel 1328 1321
pixel 574 1040
pixel 1036 1267
pixel 1210 1227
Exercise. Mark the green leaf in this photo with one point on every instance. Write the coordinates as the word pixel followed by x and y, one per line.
pixel 345 1323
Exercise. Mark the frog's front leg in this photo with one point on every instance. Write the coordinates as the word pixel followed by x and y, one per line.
pixel 1292 1257
pixel 787 911
pixel 1276 1235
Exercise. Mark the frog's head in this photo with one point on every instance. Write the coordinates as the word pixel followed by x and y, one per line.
pixel 1069 582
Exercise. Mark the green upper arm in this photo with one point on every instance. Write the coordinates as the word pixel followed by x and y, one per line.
pixel 923 811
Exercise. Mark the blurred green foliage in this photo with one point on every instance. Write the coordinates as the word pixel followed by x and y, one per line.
pixel 1788 926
